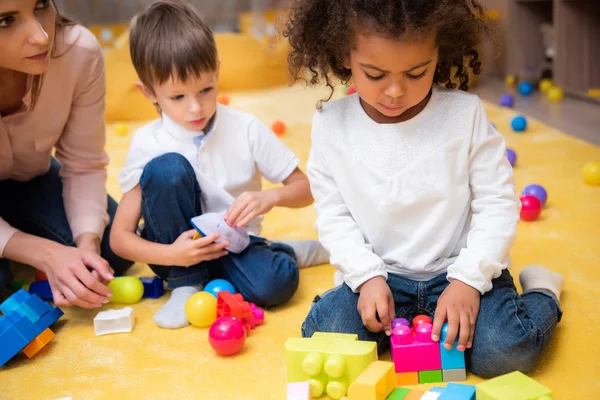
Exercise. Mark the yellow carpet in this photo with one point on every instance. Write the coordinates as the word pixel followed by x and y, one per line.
pixel 152 363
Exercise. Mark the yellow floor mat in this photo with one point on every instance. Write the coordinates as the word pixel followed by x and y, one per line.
pixel 153 363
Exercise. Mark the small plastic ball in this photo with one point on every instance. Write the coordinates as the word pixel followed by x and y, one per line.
pixel 421 319
pixel 126 290
pixel 531 208
pixel 224 100
pixel 351 90
pixel 519 123
pixel 219 285
pixel 525 88
pixel 546 85
pixel 201 309
pixel 537 191
pixel 227 336
pixel 278 127
pixel 506 100
pixel 512 156
pixel 510 80
pixel 556 94
pixel 122 129
pixel 591 173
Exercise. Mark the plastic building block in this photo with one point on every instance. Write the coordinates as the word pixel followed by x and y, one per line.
pixel 258 314
pixel 454 375
pixel 451 359
pixel 153 287
pixel 114 321
pixel 430 396
pixel 328 363
pixel 232 305
pixel 38 343
pixel 40 276
pixel 454 391
pixel 375 383
pixel 414 395
pixel 398 394
pixel 16 285
pixel 42 289
pixel 334 335
pixel 430 376
pixel 407 378
pixel 415 351
pixel 513 386
pixel 298 391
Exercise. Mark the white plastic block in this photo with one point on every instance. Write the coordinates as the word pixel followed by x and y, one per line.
pixel 298 391
pixel 114 321
pixel 430 396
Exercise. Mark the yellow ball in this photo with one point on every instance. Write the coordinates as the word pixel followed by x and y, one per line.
pixel 510 80
pixel 122 129
pixel 556 94
pixel 591 173
pixel 546 85
pixel 201 309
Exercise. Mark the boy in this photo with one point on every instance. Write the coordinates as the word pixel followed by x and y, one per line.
pixel 202 157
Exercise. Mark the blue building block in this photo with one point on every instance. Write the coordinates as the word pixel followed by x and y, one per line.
pixel 42 289
pixel 153 287
pixel 455 391
pixel 451 359
pixel 15 335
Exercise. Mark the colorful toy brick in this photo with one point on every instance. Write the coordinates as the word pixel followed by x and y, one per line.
pixel 42 289
pixel 407 378
pixel 38 343
pixel 513 386
pixel 298 391
pixel 430 396
pixel 455 391
pixel 329 362
pixel 398 394
pixel 430 376
pixel 414 351
pixel 114 321
pixel 153 287
pixel 451 359
pixel 454 375
pixel 375 383
pixel 232 305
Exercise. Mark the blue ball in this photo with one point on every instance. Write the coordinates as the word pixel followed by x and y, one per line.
pixel 519 123
pixel 506 100
pixel 219 285
pixel 536 191
pixel 525 88
pixel 512 156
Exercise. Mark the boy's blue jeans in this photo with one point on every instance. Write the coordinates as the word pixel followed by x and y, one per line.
pixel 265 273
pixel 510 333
pixel 36 207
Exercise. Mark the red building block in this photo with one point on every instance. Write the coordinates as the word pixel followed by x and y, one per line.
pixel 413 350
pixel 232 305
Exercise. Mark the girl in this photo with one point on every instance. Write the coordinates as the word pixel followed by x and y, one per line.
pixel 414 195
pixel 55 217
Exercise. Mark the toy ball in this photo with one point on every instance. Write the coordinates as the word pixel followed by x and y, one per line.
pixel 278 127
pixel 201 309
pixel 531 208
pixel 525 88
pixel 421 319
pixel 351 90
pixel 510 80
pixel 224 100
pixel 219 285
pixel 122 129
pixel 591 173
pixel 519 123
pixel 506 100
pixel 227 336
pixel 546 85
pixel 536 191
pixel 512 156
pixel 126 289
pixel 556 94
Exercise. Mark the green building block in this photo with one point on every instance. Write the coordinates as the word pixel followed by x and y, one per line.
pixel 398 394
pixel 513 386
pixel 430 376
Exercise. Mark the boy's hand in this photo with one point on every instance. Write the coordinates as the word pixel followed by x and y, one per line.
pixel 187 251
pixel 376 300
pixel 248 206
pixel 459 304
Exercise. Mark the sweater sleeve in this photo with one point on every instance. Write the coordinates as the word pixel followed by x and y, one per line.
pixel 6 232
pixel 494 205
pixel 337 229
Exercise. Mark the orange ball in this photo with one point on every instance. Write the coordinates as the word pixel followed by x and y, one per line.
pixel 278 127
pixel 224 100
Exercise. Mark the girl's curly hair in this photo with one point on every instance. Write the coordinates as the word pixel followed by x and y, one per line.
pixel 322 32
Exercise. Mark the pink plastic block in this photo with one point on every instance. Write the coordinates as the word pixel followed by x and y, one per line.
pixel 414 351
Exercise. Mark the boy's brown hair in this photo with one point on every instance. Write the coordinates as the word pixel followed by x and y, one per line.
pixel 171 39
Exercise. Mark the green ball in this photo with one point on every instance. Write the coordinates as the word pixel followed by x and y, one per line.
pixel 126 290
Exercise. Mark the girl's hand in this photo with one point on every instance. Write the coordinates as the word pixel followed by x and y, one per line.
pixel 248 206
pixel 186 250
pixel 376 300
pixel 459 304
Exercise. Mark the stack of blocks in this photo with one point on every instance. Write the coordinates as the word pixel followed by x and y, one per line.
pixel 234 305
pixel 25 325
pixel 418 359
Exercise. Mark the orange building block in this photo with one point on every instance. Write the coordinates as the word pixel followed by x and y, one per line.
pixel 414 395
pixel 38 343
pixel 407 378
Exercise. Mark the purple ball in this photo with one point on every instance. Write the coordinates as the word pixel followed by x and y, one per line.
pixel 536 191
pixel 512 156
pixel 400 321
pixel 506 100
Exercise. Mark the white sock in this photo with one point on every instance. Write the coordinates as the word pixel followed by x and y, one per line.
pixel 338 278
pixel 308 252
pixel 172 314
pixel 538 277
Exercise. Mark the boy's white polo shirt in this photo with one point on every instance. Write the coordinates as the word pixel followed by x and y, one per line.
pixel 230 159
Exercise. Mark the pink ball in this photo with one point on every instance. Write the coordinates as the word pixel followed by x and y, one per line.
pixel 227 336
pixel 531 208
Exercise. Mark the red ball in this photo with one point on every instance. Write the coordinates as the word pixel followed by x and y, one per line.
pixel 420 319
pixel 531 208
pixel 278 127
pixel 227 336
pixel 351 90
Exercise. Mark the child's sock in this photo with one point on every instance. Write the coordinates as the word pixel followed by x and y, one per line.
pixel 172 315
pixel 538 277
pixel 308 252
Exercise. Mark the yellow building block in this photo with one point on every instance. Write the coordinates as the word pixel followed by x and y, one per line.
pixel 38 343
pixel 333 335
pixel 375 383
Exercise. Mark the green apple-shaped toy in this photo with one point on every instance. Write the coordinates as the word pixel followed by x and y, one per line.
pixel 126 289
